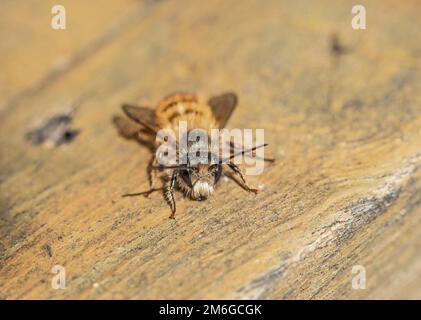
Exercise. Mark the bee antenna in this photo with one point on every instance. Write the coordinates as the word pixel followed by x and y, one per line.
pixel 242 153
pixel 177 166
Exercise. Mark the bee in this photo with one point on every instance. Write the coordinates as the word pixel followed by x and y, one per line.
pixel 196 180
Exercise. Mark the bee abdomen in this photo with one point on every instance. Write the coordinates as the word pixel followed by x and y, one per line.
pixel 183 106
pixel 171 100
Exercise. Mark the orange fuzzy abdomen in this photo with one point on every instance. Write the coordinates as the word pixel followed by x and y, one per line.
pixel 186 108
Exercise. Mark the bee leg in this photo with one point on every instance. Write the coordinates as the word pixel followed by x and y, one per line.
pixel 234 147
pixel 238 171
pixel 152 172
pixel 168 193
pixel 144 193
pixel 152 179
pixel 269 159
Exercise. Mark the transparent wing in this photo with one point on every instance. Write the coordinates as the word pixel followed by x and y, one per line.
pixel 223 106
pixel 142 115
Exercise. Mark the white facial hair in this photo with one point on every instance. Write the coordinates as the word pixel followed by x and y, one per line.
pixel 202 189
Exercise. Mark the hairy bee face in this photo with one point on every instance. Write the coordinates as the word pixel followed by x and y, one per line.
pixel 202 179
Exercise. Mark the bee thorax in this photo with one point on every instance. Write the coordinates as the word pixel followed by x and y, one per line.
pixel 202 190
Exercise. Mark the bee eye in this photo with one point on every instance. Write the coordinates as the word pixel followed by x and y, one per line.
pixel 213 168
pixel 186 177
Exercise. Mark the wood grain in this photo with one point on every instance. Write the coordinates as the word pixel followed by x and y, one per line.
pixel 345 128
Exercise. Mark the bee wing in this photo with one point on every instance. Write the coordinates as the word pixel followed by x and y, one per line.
pixel 126 127
pixel 142 115
pixel 132 130
pixel 223 106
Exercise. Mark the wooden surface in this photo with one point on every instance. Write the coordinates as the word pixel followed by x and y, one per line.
pixel 345 129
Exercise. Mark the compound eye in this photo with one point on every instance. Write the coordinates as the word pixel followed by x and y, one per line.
pixel 213 168
pixel 185 173
pixel 186 177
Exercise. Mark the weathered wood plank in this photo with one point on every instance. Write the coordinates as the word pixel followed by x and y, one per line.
pixel 345 130
pixel 33 54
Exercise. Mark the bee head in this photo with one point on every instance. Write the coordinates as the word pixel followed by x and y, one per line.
pixel 202 179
